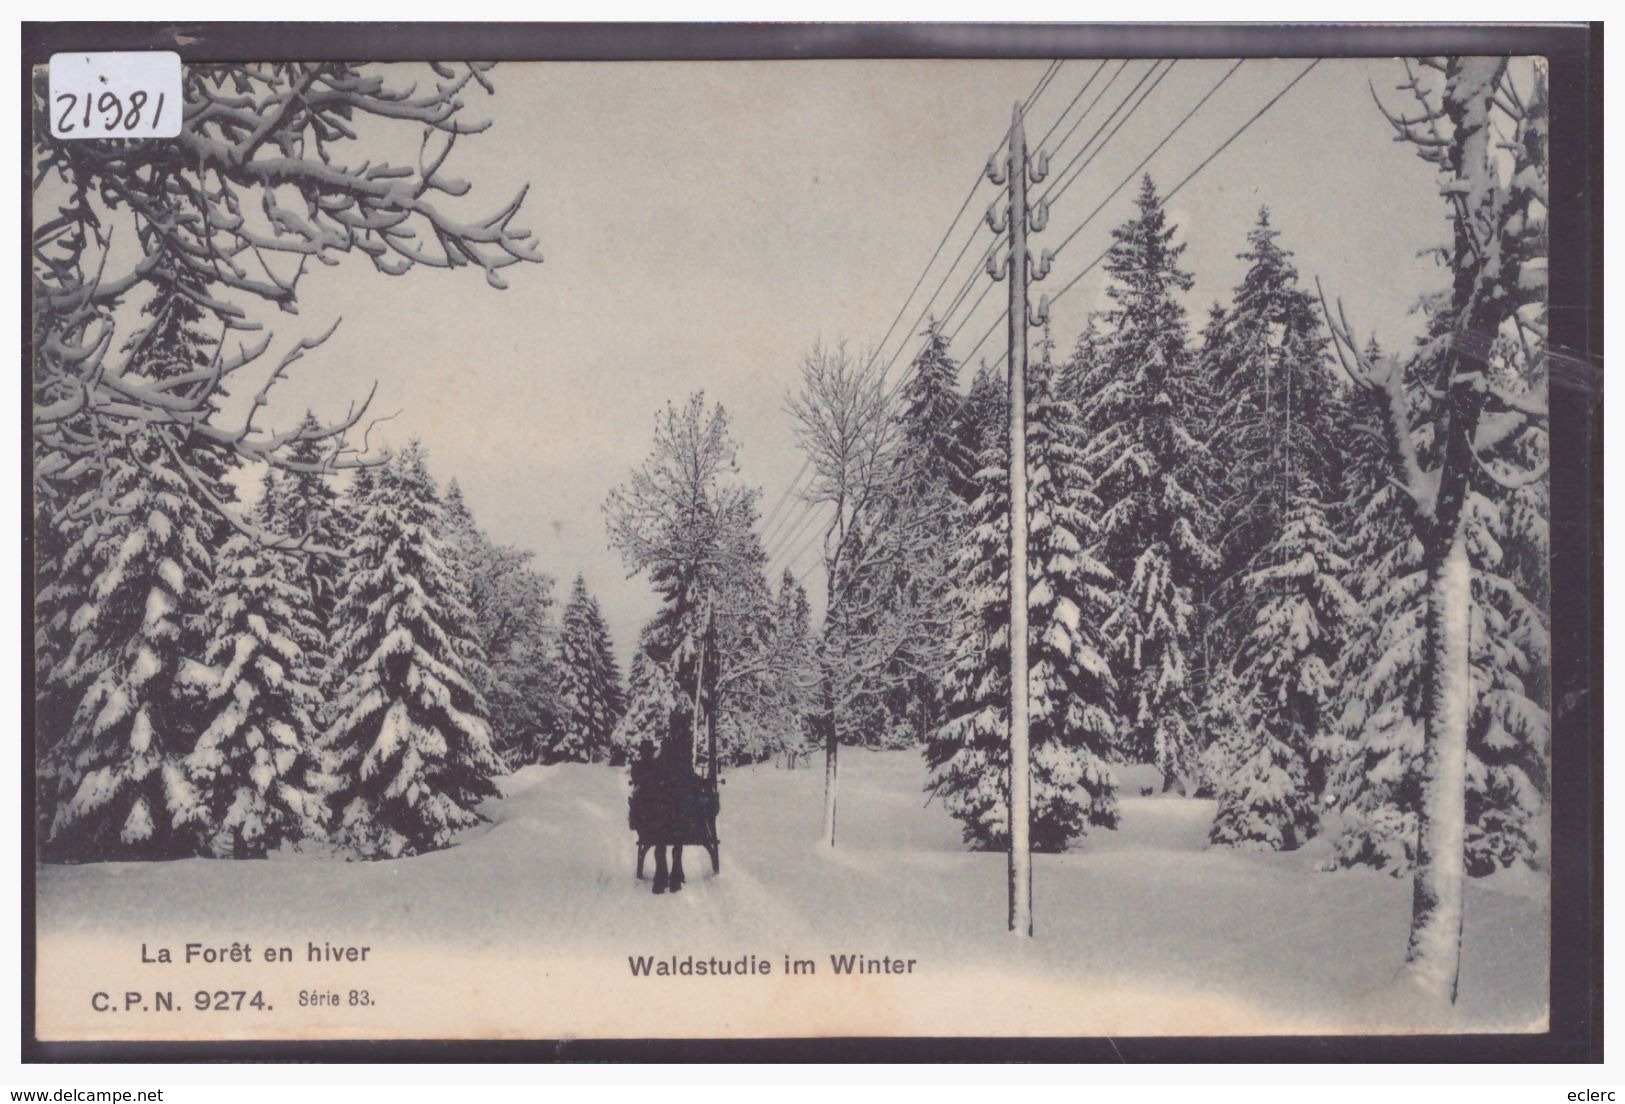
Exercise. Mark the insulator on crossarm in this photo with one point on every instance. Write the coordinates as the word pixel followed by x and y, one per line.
pixel 1039 168
pixel 996 266
pixel 1038 218
pixel 1040 269
pixel 995 170
pixel 995 218
pixel 1040 315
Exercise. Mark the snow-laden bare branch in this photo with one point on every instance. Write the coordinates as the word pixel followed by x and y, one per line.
pixel 264 179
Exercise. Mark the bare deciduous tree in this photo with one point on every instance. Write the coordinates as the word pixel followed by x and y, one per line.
pixel 852 440
pixel 680 519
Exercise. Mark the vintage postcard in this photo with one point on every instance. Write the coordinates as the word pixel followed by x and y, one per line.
pixel 790 548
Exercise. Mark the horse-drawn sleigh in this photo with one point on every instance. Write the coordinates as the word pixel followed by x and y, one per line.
pixel 672 805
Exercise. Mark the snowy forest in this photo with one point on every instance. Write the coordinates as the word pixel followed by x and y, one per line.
pixel 1273 564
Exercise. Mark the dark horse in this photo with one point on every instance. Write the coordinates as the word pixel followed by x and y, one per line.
pixel 670 806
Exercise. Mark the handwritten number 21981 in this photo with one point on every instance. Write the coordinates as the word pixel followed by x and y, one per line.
pixel 115 112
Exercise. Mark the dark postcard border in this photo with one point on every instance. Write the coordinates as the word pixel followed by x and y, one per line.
pixel 1575 54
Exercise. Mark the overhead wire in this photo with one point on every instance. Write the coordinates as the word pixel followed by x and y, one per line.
pixel 1179 186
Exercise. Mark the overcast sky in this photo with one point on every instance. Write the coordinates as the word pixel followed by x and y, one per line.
pixel 705 223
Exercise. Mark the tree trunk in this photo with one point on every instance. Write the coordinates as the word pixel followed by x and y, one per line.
pixel 1433 957
pixel 832 746
pixel 832 735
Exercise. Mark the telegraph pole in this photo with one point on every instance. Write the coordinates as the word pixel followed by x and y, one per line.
pixel 1019 267
pixel 695 748
pixel 711 694
pixel 697 752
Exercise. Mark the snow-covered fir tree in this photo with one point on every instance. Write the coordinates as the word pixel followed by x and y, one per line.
pixel 1281 606
pixel 129 586
pixel 1374 750
pixel 1141 413
pixel 172 342
pixel 513 615
pixel 459 530
pixel 63 573
pixel 1213 649
pixel 937 480
pixel 1072 724
pixel 983 424
pixel 257 774
pixel 409 745
pixel 512 606
pixel 1509 732
pixel 664 672
pixel 1509 735
pixel 1371 749
pixel 590 693
pixel 1229 717
pixel 1276 412
pixel 301 502
pixel 1285 672
pixel 741 660
pixel 1263 802
pixel 933 415
pixel 653 705
pixel 1266 363
pixel 80 532
pixel 468 553
pixel 793 670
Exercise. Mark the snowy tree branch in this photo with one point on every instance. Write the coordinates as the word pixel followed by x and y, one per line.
pixel 259 171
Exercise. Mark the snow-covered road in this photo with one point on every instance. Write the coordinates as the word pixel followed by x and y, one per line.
pixel 525 927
